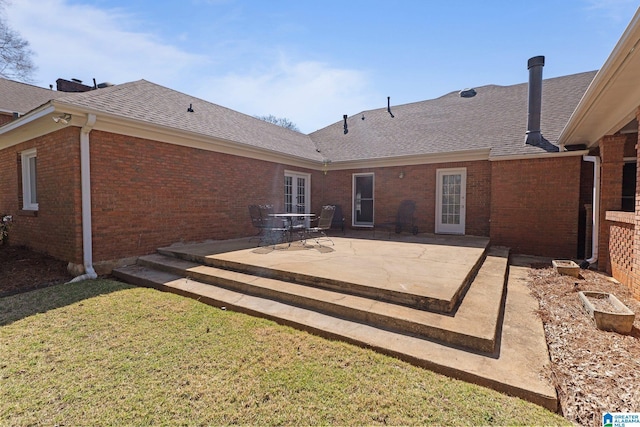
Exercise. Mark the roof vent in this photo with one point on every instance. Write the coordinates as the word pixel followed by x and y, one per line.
pixel 76 80
pixel 468 93
pixel 105 84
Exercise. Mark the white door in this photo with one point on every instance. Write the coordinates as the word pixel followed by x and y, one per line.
pixel 451 198
pixel 296 191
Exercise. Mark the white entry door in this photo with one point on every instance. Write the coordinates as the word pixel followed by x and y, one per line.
pixel 451 198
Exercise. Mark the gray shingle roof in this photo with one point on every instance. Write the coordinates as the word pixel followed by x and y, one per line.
pixel 21 97
pixel 495 118
pixel 151 103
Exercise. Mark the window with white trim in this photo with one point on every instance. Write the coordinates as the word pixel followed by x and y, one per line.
pixel 29 162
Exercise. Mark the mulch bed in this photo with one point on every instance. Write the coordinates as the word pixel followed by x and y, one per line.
pixel 593 371
pixel 22 270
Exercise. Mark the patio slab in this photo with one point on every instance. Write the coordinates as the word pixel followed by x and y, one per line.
pixel 425 272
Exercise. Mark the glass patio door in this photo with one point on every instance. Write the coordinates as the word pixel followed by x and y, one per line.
pixel 363 200
pixel 451 197
pixel 296 190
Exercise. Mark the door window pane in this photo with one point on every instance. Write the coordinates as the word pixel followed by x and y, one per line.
pixel 363 200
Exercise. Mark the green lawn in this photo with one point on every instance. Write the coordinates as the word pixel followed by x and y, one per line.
pixel 105 353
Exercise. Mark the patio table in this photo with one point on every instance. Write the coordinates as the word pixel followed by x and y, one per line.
pixel 291 217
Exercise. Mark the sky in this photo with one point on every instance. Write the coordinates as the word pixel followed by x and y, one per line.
pixel 312 61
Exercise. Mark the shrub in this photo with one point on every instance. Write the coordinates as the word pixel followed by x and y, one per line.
pixel 5 224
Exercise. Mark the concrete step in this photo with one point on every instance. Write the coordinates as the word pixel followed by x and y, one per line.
pixel 473 325
pixel 516 367
pixel 332 270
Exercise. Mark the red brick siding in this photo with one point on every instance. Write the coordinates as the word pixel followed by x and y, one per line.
pixel 612 156
pixel 419 185
pixel 147 194
pixel 621 225
pixel 5 118
pixel 635 282
pixel 56 228
pixel 535 205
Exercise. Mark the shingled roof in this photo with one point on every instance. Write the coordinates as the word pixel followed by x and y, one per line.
pixel 495 119
pixel 158 105
pixel 21 97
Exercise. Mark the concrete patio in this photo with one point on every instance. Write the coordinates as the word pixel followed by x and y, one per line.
pixel 451 304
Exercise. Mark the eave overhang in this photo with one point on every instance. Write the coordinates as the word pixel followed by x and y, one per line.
pixel 42 123
pixel 612 98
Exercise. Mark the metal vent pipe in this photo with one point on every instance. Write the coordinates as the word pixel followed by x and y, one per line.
pixel 534 136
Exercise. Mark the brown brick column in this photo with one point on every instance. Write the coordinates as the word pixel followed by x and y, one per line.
pixel 612 157
pixel 635 266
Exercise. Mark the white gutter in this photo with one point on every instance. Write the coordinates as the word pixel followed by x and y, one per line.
pixel 596 209
pixel 85 176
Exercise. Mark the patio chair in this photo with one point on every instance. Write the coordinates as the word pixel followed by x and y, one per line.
pixel 256 220
pixel 404 221
pixel 271 231
pixel 338 219
pixel 324 224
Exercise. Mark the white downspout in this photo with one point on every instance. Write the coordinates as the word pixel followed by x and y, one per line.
pixel 596 208
pixel 85 176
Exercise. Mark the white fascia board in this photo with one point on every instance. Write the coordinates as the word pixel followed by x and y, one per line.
pixel 539 156
pixel 16 131
pixel 420 159
pixel 23 120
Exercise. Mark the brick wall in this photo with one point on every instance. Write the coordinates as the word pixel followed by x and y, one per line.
pixel 5 118
pixel 56 227
pixel 612 156
pixel 418 184
pixel 620 247
pixel 147 194
pixel 635 268
pixel 535 205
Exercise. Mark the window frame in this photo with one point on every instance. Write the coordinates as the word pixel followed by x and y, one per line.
pixel 28 186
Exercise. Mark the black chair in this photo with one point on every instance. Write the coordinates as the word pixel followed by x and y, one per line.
pixel 338 219
pixel 271 231
pixel 404 221
pixel 324 224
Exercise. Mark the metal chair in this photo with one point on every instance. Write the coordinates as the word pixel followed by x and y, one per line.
pixel 256 220
pixel 324 224
pixel 404 221
pixel 338 219
pixel 271 231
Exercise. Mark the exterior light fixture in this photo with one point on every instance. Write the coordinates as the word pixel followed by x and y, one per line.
pixel 325 165
pixel 63 119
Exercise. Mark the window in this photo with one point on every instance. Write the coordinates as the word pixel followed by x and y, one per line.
pixel 29 179
pixel 629 186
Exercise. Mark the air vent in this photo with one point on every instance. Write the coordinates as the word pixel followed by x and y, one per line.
pixel 468 93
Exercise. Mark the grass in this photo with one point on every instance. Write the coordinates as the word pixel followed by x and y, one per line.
pixel 105 353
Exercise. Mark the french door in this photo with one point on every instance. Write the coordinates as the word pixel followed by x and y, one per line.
pixel 296 192
pixel 363 200
pixel 451 195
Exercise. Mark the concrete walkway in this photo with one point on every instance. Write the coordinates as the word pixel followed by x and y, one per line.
pixel 465 322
